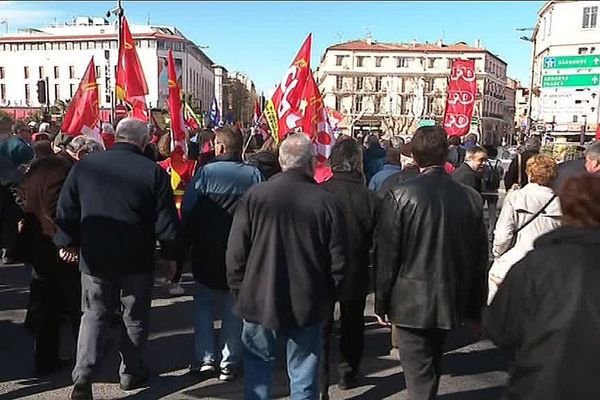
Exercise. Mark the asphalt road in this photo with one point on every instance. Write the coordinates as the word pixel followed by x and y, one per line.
pixel 473 370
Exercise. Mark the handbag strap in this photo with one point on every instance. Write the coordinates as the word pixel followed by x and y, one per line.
pixel 537 214
pixel 519 171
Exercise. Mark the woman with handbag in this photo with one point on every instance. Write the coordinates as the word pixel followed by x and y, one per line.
pixel 526 214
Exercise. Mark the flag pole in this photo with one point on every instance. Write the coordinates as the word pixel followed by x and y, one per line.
pixel 113 110
pixel 252 130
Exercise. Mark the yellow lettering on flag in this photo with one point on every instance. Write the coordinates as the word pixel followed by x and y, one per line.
pixel 175 179
pixel 271 116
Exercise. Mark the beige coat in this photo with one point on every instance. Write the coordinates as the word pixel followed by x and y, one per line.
pixel 519 206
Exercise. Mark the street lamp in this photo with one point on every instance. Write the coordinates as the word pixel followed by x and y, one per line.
pixel 530 105
pixel 5 22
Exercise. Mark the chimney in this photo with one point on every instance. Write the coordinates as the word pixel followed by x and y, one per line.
pixel 414 43
pixel 369 39
pixel 477 43
pixel 439 43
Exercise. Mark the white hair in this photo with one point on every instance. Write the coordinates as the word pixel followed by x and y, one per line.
pixel 132 130
pixel 108 128
pixel 593 151
pixel 296 152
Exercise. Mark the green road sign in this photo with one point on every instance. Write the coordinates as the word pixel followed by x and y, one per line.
pixel 585 80
pixel 560 62
pixel 426 122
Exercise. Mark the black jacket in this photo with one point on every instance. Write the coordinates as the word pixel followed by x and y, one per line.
pixel 396 179
pixel 465 175
pixel 567 170
pixel 287 252
pixel 359 206
pixel 114 205
pixel 431 253
pixel 209 203
pixel 547 310
pixel 512 175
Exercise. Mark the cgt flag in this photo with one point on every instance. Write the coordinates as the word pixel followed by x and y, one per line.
pixel 462 90
pixel 131 85
pixel 215 115
pixel 283 112
pixel 83 113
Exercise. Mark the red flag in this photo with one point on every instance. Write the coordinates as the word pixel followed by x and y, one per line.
pixel 180 167
pixel 315 122
pixel 462 91
pixel 282 111
pixel 597 132
pixel 83 113
pixel 131 85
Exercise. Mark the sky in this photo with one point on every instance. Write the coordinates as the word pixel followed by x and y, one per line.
pixel 261 39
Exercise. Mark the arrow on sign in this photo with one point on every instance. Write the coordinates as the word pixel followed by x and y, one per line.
pixel 595 80
pixel 596 60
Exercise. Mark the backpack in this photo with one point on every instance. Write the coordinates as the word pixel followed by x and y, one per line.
pixel 491 177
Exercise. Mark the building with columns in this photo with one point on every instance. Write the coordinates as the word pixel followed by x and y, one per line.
pixel 390 87
pixel 61 53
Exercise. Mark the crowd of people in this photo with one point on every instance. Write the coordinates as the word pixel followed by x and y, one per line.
pixel 275 251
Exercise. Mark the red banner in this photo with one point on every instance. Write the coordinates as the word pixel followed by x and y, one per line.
pixel 282 111
pixel 462 91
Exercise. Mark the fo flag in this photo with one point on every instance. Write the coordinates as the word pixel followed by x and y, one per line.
pixel 215 116
pixel 83 113
pixel 131 85
pixel 283 110
pixel 462 90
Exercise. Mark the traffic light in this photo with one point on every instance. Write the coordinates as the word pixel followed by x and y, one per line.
pixel 41 91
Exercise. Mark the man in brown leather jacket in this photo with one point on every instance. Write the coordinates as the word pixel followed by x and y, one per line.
pixel 431 261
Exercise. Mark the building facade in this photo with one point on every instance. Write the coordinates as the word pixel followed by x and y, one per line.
pixel 566 69
pixel 510 93
pixel 60 54
pixel 390 87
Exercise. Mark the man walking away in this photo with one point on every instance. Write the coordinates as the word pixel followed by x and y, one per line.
pixel 491 174
pixel 468 173
pixel 430 262
pixel 208 206
pixel 359 206
pixel 374 157
pixel 285 257
pixel 516 177
pixel 122 192
pixel 391 167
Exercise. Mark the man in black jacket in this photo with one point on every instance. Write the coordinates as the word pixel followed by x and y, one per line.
pixel 468 172
pixel 359 206
pixel 430 261
pixel 285 257
pixel 208 206
pixel 113 207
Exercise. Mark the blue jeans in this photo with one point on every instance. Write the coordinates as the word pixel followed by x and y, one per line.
pixel 303 351
pixel 205 302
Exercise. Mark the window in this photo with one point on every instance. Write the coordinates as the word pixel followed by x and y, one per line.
pixel 378 61
pixel 360 61
pixel 378 81
pixel 590 15
pixel 71 90
pixel 339 60
pixel 339 80
pixel 56 91
pixel 360 82
pixel 338 103
pixel 26 72
pixel 549 24
pixel 41 71
pixel 1 72
pixel 358 105
pixel 377 105
pixel 84 45
pixel 69 45
pixel 98 71
pixel 27 93
pixel 574 118
pixel 401 62
pixel 56 72
pixel 62 46
pixel 431 63
pixel 582 50
pixel 72 72
pixel 450 61
pixel 91 45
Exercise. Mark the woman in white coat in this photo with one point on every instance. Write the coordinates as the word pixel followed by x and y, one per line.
pixel 527 213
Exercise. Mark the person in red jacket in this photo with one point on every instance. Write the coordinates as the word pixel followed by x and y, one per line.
pixel 108 135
